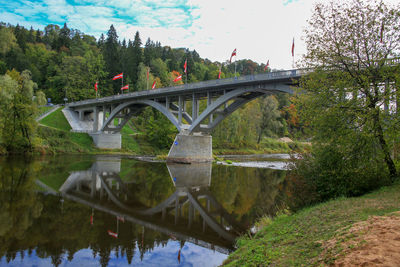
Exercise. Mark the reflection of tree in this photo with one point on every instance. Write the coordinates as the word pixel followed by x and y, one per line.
pixel 148 182
pixel 248 192
pixel 19 204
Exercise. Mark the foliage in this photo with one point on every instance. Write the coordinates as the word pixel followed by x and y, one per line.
pixel 160 131
pixel 350 96
pixel 66 63
pixel 17 111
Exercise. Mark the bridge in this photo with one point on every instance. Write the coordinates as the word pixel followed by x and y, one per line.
pixel 103 118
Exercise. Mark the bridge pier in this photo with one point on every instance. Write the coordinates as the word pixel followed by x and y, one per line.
pixel 188 148
pixel 106 140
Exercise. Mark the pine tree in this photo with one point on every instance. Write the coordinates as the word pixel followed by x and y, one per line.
pixel 111 56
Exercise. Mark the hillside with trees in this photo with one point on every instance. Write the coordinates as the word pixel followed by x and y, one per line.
pixel 63 65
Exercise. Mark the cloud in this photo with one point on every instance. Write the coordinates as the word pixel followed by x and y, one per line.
pixel 260 30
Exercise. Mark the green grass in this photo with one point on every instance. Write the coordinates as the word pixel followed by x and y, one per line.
pixel 56 120
pixel 297 240
pixel 266 146
pixel 57 138
pixel 44 109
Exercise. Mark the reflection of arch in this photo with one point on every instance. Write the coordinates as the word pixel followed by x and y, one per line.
pixel 81 185
pixel 174 199
pixel 140 104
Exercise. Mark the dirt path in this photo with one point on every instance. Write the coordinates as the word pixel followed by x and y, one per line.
pixel 375 242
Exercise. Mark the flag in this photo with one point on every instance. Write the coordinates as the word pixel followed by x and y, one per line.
pixel 382 28
pixel 125 87
pixel 178 78
pixel 293 48
pixel 185 67
pixel 233 54
pixel 179 256
pixel 95 86
pixel 111 233
pixel 219 74
pixel 266 66
pixel 154 84
pixel 91 219
pixel 119 76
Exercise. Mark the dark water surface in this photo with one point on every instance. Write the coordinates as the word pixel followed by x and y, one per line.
pixel 113 211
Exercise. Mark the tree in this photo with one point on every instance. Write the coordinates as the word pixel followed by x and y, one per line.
pixel 350 46
pixel 17 112
pixel 111 56
pixel 270 124
pixel 7 40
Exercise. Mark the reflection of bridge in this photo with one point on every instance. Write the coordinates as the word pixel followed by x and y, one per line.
pixel 101 188
pixel 222 97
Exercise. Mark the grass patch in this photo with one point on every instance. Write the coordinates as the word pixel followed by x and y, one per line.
pixel 44 109
pixel 56 120
pixel 266 146
pixel 57 138
pixel 297 240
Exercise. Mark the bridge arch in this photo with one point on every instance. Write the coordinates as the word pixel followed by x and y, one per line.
pixel 139 105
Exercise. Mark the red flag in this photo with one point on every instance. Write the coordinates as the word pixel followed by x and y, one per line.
pixel 125 87
pixel 148 70
pixel 179 256
pixel 219 74
pixel 178 78
pixel 293 48
pixel 233 54
pixel 119 76
pixel 111 233
pixel 154 84
pixel 185 66
pixel 91 219
pixel 266 66
pixel 95 86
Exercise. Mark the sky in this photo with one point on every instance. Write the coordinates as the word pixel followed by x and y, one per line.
pixel 260 30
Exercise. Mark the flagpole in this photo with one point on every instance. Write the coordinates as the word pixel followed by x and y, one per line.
pixel 235 66
pixel 148 74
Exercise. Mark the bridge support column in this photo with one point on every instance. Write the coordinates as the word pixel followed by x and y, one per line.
pixel 191 148
pixel 107 140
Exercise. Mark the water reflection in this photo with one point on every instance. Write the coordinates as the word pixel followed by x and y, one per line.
pixel 121 211
pixel 190 213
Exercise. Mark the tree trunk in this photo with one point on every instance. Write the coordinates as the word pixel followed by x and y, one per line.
pixel 388 159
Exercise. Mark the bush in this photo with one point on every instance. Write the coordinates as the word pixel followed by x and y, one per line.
pixel 330 172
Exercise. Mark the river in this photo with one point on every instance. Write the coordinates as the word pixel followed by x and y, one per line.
pixel 86 210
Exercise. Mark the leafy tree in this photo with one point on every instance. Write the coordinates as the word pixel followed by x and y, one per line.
pixel 17 123
pixel 350 46
pixel 7 40
pixel 270 124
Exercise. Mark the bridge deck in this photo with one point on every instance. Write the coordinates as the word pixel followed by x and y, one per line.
pixel 200 88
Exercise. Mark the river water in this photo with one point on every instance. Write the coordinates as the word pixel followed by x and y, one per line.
pixel 118 211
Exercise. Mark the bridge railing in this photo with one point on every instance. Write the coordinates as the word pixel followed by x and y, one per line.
pixel 295 73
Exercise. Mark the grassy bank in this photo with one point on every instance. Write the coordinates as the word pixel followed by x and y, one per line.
pixel 55 137
pixel 267 146
pixel 299 239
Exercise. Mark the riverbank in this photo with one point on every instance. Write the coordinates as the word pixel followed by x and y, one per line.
pixel 338 231
pixel 55 137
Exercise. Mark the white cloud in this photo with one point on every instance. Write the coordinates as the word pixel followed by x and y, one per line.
pixel 260 30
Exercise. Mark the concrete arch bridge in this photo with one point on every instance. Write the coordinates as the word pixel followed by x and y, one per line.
pixel 103 118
